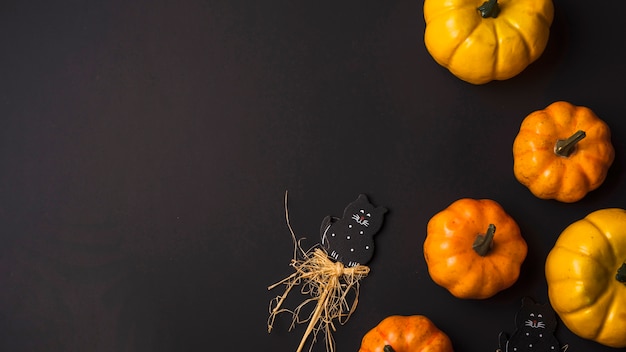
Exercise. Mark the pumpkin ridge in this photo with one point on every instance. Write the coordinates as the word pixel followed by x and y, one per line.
pixel 528 148
pixel 544 20
pixel 535 173
pixel 500 275
pixel 489 278
pixel 484 281
pixel 586 176
pixel 577 252
pixel 521 35
pixel 530 137
pixel 610 308
pixel 607 242
pixel 457 282
pixel 564 190
pixel 496 50
pixel 454 50
pixel 443 11
pixel 429 341
pixel 607 294
pixel 589 304
pixel 599 158
pixel 539 14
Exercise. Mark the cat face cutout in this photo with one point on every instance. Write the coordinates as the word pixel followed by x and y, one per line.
pixel 368 217
pixel 535 321
pixel 534 316
pixel 362 218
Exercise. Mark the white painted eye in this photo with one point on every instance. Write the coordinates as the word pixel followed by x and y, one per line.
pixel 369 215
pixel 532 314
pixel 362 211
pixel 540 316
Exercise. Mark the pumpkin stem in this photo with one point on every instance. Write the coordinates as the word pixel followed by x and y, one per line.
pixel 565 147
pixel 388 348
pixel 489 8
pixel 621 274
pixel 483 243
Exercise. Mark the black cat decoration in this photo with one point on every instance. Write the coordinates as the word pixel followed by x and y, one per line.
pixel 535 324
pixel 350 239
pixel 330 272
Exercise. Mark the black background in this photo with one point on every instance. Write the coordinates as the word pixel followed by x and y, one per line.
pixel 146 146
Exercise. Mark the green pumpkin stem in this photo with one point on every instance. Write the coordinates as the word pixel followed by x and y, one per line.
pixel 483 243
pixel 621 274
pixel 489 8
pixel 565 147
pixel 388 348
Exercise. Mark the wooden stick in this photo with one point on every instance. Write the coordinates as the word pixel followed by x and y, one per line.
pixel 321 304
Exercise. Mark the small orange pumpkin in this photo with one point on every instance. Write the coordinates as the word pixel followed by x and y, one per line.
pixel 406 334
pixel 562 152
pixel 474 249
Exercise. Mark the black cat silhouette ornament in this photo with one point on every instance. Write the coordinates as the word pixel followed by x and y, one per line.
pixel 535 324
pixel 331 271
pixel 350 240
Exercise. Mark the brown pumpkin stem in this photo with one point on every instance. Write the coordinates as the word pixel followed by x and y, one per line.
pixel 489 8
pixel 388 348
pixel 565 147
pixel 483 243
pixel 621 274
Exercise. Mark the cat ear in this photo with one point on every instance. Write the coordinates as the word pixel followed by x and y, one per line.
pixel 362 198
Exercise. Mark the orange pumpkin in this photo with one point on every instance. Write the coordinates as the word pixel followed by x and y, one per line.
pixel 562 152
pixel 406 334
pixel 474 249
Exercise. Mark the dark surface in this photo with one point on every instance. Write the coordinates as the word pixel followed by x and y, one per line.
pixel 145 148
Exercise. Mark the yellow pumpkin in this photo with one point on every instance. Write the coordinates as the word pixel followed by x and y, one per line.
pixel 474 249
pixel 586 276
pixel 562 152
pixel 482 41
pixel 399 333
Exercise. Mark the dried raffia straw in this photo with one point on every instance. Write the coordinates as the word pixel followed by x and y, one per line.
pixel 328 283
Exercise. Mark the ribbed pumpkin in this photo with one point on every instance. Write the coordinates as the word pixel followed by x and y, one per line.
pixel 482 41
pixel 412 333
pixel 474 249
pixel 586 276
pixel 562 152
